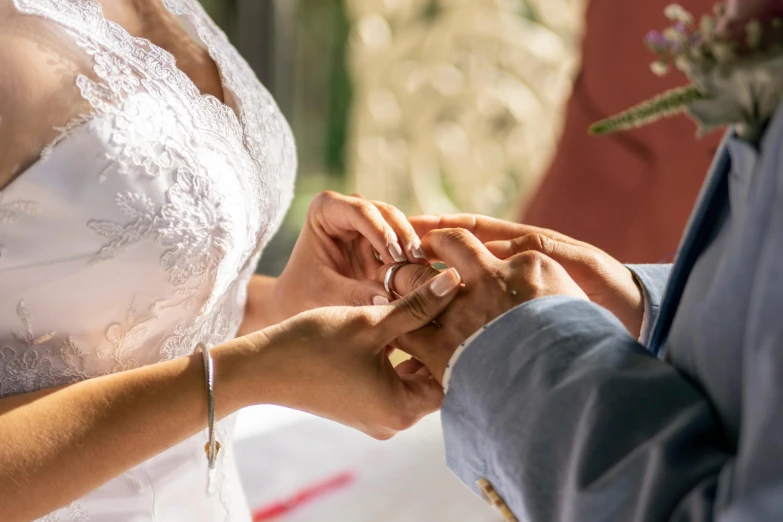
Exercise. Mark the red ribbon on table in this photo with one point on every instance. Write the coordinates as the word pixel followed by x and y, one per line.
pixel 303 496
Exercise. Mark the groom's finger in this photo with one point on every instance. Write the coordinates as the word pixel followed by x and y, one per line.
pixel 459 248
pixel 573 256
pixel 538 242
pixel 420 307
pixel 406 278
pixel 484 227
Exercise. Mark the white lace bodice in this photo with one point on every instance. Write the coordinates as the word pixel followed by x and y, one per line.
pixel 134 235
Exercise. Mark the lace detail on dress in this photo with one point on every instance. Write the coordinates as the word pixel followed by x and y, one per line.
pixel 128 65
pixel 136 485
pixel 208 330
pixel 73 512
pixel 191 226
pixel 258 111
pixel 11 211
pixel 124 340
pixel 32 368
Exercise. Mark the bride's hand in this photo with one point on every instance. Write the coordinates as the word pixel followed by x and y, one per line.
pixel 333 262
pixel 604 279
pixel 332 362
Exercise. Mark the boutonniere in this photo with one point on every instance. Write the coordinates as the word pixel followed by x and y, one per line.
pixel 734 61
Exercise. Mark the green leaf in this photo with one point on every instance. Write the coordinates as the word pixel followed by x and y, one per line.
pixel 667 104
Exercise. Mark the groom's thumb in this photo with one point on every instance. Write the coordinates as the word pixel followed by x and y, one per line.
pixel 420 307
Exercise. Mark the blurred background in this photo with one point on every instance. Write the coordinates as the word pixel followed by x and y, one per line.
pixel 441 106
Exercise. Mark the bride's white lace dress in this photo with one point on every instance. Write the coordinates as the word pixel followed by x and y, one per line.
pixel 134 235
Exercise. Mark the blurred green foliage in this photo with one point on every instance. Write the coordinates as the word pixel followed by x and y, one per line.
pixel 215 8
pixel 309 49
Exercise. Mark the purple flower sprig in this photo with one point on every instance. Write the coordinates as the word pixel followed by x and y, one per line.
pixel 677 42
pixel 733 59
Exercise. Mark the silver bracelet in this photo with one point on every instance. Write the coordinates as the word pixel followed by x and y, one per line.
pixel 212 447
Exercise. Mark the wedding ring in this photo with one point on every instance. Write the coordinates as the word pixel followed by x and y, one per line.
pixel 387 279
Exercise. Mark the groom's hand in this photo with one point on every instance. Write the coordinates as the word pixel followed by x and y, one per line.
pixel 605 280
pixel 492 287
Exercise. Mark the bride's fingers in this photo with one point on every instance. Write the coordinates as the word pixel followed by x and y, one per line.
pixel 409 366
pixel 410 241
pixel 430 346
pixel 412 366
pixel 418 308
pixel 460 249
pixel 424 372
pixel 424 395
pixel 344 217
pixel 368 258
pixel 363 293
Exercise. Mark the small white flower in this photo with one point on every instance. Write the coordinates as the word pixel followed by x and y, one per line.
pixel 659 68
pixel 747 93
pixel 677 13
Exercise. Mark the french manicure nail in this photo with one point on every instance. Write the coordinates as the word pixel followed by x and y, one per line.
pixel 379 300
pixel 445 282
pixel 396 252
pixel 418 252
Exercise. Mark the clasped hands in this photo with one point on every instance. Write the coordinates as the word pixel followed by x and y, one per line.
pixel 332 361
pixel 502 265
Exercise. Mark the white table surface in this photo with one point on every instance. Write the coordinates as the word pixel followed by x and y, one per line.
pixel 280 452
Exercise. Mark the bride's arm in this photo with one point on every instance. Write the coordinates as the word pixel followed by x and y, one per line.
pixel 58 444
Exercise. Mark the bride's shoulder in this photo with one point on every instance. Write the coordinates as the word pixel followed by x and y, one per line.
pixel 38 70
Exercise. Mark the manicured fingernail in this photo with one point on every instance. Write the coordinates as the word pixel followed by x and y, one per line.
pixel 377 255
pixel 396 252
pixel 445 282
pixel 379 300
pixel 418 252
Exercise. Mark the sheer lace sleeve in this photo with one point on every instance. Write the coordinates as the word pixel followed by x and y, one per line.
pixel 39 64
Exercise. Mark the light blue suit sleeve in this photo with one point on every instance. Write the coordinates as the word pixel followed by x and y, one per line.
pixel 572 419
pixel 653 280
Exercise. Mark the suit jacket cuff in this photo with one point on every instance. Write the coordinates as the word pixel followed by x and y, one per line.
pixel 504 352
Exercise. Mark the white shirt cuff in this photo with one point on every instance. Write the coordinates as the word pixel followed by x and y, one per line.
pixel 647 311
pixel 462 347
